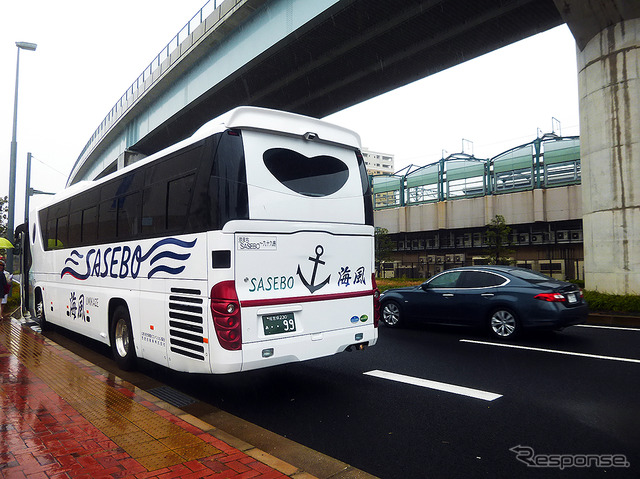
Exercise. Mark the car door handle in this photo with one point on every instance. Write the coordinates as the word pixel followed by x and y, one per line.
pixel 487 295
pixel 447 295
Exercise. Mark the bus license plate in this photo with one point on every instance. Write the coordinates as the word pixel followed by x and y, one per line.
pixel 278 323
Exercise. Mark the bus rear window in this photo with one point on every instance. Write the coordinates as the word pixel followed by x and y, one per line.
pixel 318 176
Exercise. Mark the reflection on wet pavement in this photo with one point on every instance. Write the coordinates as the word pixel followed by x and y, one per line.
pixel 59 414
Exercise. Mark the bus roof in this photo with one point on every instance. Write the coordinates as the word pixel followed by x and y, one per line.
pixel 275 121
pixel 244 117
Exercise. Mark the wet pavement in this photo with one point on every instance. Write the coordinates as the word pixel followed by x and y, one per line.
pixel 61 416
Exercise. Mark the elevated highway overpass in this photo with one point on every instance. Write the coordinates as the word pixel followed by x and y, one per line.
pixel 313 58
pixel 319 57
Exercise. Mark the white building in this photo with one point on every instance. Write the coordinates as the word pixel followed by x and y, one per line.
pixel 378 163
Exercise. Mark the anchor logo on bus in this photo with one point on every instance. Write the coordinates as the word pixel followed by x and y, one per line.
pixel 312 287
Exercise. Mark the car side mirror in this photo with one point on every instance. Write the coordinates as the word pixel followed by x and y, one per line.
pixel 425 286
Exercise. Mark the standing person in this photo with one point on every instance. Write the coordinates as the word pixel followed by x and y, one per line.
pixel 5 289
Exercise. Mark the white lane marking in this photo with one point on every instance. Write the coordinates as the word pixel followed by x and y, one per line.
pixel 425 383
pixel 619 328
pixel 555 351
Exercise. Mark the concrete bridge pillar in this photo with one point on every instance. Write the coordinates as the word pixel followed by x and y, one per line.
pixel 607 34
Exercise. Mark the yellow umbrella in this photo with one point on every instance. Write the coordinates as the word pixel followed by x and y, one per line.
pixel 5 243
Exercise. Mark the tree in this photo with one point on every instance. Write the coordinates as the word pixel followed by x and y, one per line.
pixel 498 238
pixel 383 246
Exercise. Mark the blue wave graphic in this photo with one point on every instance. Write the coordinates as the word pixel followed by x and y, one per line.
pixel 171 255
pixel 70 258
pixel 165 269
pixel 75 274
pixel 168 241
pixel 72 272
pixel 168 254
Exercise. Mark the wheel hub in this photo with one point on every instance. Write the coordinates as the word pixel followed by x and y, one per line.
pixel 122 338
pixel 503 323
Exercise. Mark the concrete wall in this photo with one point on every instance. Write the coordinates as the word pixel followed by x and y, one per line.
pixel 540 205
pixel 609 88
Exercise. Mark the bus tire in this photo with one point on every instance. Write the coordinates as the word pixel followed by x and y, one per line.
pixel 121 334
pixel 39 312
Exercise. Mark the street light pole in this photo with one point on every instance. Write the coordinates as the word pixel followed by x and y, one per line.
pixel 27 192
pixel 14 152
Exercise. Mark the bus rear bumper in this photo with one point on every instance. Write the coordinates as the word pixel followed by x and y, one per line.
pixel 263 354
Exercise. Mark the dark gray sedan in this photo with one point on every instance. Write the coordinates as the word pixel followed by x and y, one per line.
pixel 503 299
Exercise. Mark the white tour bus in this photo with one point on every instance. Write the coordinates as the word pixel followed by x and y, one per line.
pixel 248 245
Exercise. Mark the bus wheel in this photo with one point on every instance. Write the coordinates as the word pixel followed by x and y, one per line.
pixel 122 339
pixel 39 310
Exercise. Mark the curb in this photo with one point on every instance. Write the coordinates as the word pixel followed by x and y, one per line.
pixel 613 319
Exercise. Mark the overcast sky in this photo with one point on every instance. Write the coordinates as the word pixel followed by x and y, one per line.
pixel 90 52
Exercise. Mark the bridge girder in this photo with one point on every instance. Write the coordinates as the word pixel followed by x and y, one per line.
pixel 357 50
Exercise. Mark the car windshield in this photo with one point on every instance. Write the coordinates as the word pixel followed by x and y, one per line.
pixel 532 276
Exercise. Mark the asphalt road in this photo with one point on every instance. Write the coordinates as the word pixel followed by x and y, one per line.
pixel 561 398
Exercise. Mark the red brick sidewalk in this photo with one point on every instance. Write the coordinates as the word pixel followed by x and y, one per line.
pixel 46 435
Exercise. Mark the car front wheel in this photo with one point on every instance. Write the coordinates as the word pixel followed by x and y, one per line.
pixel 391 315
pixel 503 324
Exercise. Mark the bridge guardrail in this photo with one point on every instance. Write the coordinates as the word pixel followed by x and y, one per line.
pixel 165 53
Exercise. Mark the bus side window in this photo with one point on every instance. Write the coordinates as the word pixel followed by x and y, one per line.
pixel 57 231
pixel 154 201
pixel 50 234
pixel 228 193
pixel 117 210
pixel 366 190
pixel 75 229
pixel 175 165
pixel 107 221
pixel 90 225
pixel 79 231
pixel 129 216
pixel 62 232
pixel 122 186
pixel 42 218
pixel 168 191
pixel 179 192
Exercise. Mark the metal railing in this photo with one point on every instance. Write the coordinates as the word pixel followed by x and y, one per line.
pixel 155 64
pixel 545 162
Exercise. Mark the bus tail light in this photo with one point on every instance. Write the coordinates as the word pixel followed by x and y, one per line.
pixel 376 301
pixel 225 310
